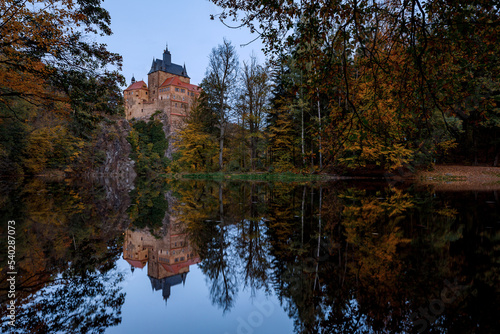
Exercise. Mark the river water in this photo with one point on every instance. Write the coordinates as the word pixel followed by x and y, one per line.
pixel 248 257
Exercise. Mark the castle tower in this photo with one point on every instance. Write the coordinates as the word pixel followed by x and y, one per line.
pixel 167 58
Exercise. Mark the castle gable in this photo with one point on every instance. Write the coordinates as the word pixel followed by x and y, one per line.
pixel 137 85
pixel 175 81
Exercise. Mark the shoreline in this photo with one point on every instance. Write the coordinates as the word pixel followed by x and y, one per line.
pixel 460 178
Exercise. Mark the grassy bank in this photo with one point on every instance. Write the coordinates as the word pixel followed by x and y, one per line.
pixel 284 177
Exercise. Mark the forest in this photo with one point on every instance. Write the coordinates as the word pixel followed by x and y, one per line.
pixel 56 84
pixel 348 87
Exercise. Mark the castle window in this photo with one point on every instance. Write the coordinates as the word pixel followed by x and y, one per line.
pixel 183 90
pixel 176 89
pixel 176 104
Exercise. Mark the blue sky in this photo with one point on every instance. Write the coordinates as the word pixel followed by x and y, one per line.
pixel 141 30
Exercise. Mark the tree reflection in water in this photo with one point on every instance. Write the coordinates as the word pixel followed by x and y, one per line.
pixel 68 238
pixel 340 257
pixel 349 259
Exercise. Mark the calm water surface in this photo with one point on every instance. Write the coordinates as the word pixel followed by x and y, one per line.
pixel 249 257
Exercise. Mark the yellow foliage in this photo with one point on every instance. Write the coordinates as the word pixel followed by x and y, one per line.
pixel 374 237
pixel 54 145
pixel 198 149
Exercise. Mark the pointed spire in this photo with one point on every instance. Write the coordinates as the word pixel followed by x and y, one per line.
pixel 183 276
pixel 133 79
pixel 167 58
pixel 184 71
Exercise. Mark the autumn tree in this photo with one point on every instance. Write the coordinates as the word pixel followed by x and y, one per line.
pixel 427 63
pixel 48 66
pixel 44 54
pixel 219 84
pixel 197 139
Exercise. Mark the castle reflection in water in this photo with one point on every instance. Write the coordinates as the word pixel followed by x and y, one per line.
pixel 168 258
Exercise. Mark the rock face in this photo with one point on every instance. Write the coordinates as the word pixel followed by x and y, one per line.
pixel 113 150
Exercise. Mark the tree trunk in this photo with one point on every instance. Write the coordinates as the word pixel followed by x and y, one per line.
pixel 319 120
pixel 221 146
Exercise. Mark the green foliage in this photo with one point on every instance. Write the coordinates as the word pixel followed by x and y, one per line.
pixel 148 204
pixel 148 147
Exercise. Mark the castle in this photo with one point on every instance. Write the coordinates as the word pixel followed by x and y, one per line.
pixel 169 91
pixel 168 258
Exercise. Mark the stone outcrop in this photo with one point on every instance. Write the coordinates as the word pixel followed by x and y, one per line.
pixel 113 151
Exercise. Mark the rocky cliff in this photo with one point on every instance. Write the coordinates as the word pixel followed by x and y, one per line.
pixel 113 151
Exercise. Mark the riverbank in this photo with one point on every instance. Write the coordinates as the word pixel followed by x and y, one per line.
pixel 441 177
pixel 460 178
pixel 286 177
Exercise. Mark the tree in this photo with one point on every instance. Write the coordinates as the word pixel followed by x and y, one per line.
pixel 415 60
pixel 219 84
pixel 253 102
pixel 43 44
pixel 197 140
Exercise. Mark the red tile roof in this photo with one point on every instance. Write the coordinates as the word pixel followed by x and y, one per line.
pixel 136 263
pixel 137 85
pixel 175 81
pixel 175 268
